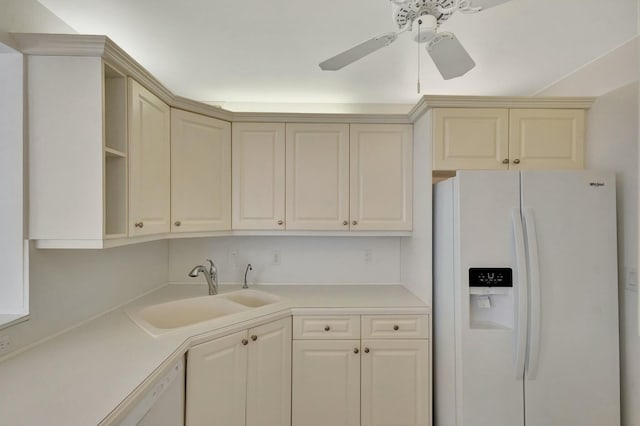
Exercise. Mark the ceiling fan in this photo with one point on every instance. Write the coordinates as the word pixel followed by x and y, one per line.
pixel 422 18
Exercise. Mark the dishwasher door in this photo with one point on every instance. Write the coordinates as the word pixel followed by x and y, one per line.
pixel 163 405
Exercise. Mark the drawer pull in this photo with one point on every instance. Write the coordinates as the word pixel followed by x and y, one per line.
pixel 356 350
pixel 396 327
pixel 254 337
pixel 177 223
pixel 280 222
pixel 244 342
pixel 327 328
pixel 139 225
pixel 366 350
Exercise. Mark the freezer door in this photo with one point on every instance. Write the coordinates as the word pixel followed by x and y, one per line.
pixel 572 375
pixel 488 389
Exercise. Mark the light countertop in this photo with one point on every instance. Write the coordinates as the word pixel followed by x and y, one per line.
pixel 90 374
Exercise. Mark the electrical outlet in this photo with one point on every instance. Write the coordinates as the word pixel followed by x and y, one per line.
pixel 368 255
pixel 233 258
pixel 275 257
pixel 5 344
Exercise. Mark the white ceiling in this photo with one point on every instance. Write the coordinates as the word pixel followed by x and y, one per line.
pixel 241 54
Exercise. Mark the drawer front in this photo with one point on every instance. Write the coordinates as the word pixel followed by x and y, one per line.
pixel 326 327
pixel 395 327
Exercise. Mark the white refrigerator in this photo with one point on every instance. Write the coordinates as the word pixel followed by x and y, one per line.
pixel 526 299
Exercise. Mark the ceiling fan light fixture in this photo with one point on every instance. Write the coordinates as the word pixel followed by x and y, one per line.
pixel 425 28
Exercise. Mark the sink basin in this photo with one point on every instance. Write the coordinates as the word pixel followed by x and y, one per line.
pixel 251 298
pixel 185 312
pixel 165 317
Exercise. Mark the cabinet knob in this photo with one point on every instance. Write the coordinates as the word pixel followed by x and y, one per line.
pixel 327 328
pixel 366 350
pixel 254 337
pixel 516 161
pixel 396 327
pixel 177 223
pixel 356 350
pixel 280 222
pixel 244 342
pixel 354 222
pixel 505 161
pixel 139 225
pixel 345 222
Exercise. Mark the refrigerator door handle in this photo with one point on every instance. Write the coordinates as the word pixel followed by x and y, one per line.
pixel 522 305
pixel 534 277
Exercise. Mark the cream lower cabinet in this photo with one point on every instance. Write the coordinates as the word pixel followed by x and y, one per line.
pixel 200 173
pixel 241 379
pixel 507 138
pixel 341 381
pixel 149 162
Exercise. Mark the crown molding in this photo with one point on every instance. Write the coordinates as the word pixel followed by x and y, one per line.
pixel 439 101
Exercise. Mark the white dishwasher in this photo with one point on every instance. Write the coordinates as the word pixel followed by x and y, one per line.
pixel 163 405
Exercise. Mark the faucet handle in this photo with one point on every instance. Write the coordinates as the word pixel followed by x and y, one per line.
pixel 212 267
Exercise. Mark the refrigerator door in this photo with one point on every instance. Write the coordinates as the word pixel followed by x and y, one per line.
pixel 488 389
pixel 572 375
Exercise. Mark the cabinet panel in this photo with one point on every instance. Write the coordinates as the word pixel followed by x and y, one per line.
pixel 149 162
pixel 216 382
pixel 317 176
pixel 258 155
pixel 470 138
pixel 200 173
pixel 381 177
pixel 395 383
pixel 326 383
pixel 546 139
pixel 269 375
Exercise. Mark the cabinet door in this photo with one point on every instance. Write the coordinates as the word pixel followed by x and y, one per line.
pixel 546 139
pixel 317 176
pixel 395 381
pixel 258 176
pixel 470 138
pixel 381 178
pixel 269 375
pixel 200 173
pixel 149 162
pixel 216 382
pixel 326 383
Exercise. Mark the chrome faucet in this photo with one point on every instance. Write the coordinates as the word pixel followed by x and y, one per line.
pixel 211 275
pixel 246 271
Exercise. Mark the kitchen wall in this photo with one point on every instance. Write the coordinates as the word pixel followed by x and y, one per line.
pixel 68 287
pixel 290 260
pixel 612 144
pixel 30 16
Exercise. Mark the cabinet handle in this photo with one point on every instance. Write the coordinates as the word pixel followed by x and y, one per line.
pixel 516 161
pixel 356 350
pixel 244 342
pixel 354 222
pixel 254 337
pixel 139 225
pixel 345 222
pixel 396 327
pixel 280 222
pixel 177 223
pixel 327 328
pixel 505 161
pixel 366 350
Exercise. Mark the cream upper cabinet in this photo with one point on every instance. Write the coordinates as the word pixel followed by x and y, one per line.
pixel 470 138
pixel 149 162
pixel 381 177
pixel 507 139
pixel 546 138
pixel 241 379
pixel 317 176
pixel 258 176
pixel 326 383
pixel 395 382
pixel 200 173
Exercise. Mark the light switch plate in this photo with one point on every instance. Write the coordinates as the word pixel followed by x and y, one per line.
pixel 631 282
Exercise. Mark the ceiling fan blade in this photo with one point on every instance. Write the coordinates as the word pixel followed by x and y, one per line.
pixel 451 59
pixel 357 52
pixel 486 4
